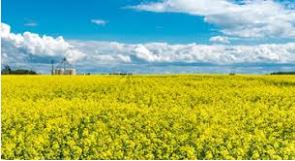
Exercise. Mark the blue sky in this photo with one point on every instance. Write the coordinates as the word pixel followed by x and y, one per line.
pixel 72 20
pixel 168 36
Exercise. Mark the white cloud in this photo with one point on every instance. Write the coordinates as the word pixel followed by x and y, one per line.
pixel 99 22
pixel 21 46
pixel 251 18
pixel 101 52
pixel 220 39
pixel 18 48
pixel 31 24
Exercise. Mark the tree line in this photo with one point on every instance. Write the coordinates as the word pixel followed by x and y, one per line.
pixel 8 70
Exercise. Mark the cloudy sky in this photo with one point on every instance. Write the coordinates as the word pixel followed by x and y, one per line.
pixel 150 36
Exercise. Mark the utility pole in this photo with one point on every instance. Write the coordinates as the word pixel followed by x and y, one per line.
pixel 64 63
pixel 52 67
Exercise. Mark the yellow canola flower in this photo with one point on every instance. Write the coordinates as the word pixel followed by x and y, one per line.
pixel 148 117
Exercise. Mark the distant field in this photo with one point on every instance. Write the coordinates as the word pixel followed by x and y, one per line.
pixel 148 117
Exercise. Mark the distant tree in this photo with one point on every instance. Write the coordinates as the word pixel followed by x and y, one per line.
pixel 23 71
pixel 6 70
pixel 283 73
pixel 232 74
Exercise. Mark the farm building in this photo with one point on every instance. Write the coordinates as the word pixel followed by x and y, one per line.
pixel 63 68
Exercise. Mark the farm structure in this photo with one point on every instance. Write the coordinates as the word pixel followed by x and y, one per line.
pixel 63 68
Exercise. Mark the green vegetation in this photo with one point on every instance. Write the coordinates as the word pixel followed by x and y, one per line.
pixel 283 73
pixel 7 70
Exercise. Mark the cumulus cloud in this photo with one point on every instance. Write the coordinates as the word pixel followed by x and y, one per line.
pixel 31 48
pixel 22 47
pixel 187 53
pixel 249 18
pixel 99 22
pixel 220 39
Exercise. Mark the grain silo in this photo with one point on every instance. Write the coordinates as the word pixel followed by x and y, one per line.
pixel 64 68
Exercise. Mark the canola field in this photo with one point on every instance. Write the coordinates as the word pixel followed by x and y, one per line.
pixel 148 117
